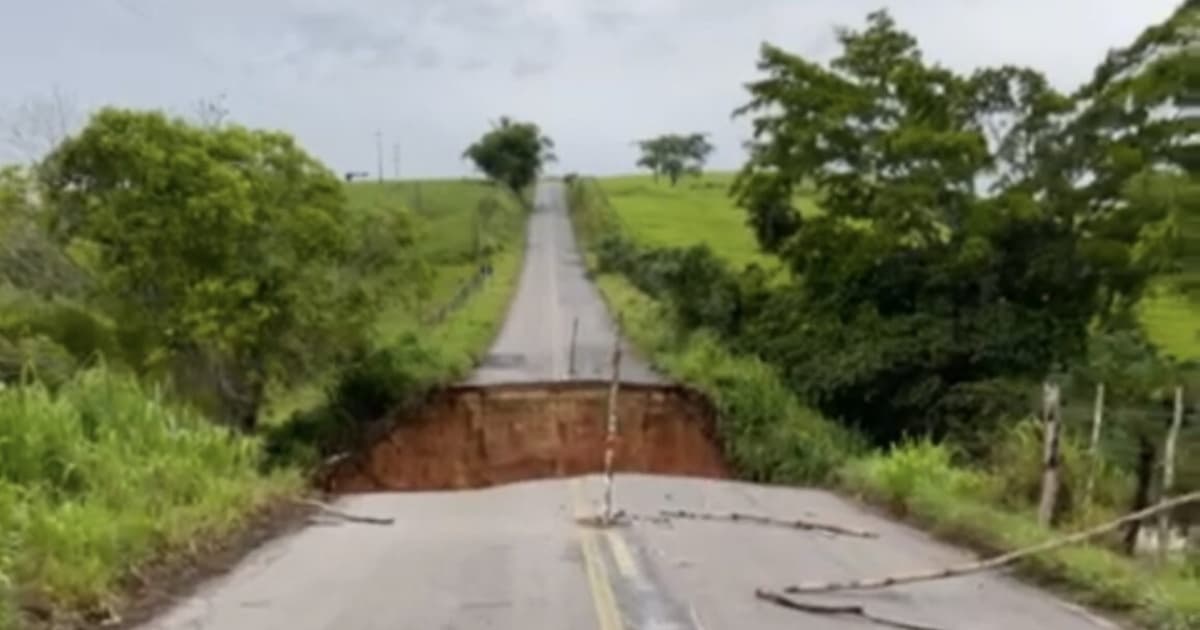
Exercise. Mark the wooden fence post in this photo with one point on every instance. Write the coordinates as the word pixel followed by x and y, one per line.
pixel 1168 478
pixel 1051 420
pixel 610 441
pixel 571 352
pixel 1094 446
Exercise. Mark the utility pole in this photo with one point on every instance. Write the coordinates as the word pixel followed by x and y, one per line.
pixel 396 160
pixel 379 154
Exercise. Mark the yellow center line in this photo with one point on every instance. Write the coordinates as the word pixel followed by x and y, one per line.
pixel 608 615
pixel 622 555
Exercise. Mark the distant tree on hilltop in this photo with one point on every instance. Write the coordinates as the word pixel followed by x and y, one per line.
pixel 512 153
pixel 675 155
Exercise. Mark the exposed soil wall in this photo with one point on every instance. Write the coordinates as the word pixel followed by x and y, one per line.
pixel 475 436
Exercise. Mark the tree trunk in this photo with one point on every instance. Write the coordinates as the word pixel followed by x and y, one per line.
pixel 249 405
pixel 1141 494
pixel 1050 455
pixel 1168 478
pixel 1094 446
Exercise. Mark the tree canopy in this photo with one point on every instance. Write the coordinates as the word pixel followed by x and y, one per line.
pixel 222 248
pixel 972 227
pixel 674 155
pixel 512 153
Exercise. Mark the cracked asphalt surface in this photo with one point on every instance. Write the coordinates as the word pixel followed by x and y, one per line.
pixel 517 557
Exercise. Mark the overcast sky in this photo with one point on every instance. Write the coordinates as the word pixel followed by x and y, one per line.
pixel 431 74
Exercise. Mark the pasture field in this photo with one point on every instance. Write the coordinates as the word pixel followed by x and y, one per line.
pixel 701 211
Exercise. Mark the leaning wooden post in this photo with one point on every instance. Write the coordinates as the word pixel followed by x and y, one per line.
pixel 1051 420
pixel 1094 446
pixel 1168 478
pixel 610 440
pixel 571 352
pixel 994 562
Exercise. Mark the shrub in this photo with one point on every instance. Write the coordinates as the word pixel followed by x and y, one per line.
pixel 1015 463
pixel 376 382
pixel 383 379
pixel 907 469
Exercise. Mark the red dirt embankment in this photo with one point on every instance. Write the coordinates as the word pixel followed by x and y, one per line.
pixel 472 436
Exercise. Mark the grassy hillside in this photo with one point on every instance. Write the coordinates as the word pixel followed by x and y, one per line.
pixel 696 211
pixel 1173 322
pixel 1171 313
pixel 700 211
pixel 449 225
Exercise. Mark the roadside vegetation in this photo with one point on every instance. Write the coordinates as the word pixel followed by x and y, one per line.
pixel 911 315
pixel 191 313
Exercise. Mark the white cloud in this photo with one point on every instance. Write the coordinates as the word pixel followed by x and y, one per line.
pixel 431 73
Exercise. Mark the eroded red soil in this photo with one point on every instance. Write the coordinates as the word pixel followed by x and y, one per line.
pixel 470 437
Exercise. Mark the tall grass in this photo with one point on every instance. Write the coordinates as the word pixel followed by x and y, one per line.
pixel 104 475
pixel 921 480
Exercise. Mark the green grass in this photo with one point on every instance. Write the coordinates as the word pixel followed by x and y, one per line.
pixel 696 211
pixel 104 475
pixel 446 208
pixel 920 481
pixel 1172 321
pixel 451 233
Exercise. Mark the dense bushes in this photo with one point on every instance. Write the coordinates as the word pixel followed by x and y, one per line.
pixel 105 474
pixel 767 433
pixel 867 370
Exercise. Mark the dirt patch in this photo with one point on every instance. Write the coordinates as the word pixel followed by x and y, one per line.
pixel 473 436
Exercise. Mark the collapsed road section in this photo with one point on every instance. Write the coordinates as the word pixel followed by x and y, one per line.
pixel 478 436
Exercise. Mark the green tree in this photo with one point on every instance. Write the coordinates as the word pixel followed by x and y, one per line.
pixel 220 249
pixel 674 155
pixel 512 153
pixel 1135 138
pixel 953 252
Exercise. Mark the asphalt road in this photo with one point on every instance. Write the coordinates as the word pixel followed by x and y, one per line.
pixel 517 557
pixel 557 327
